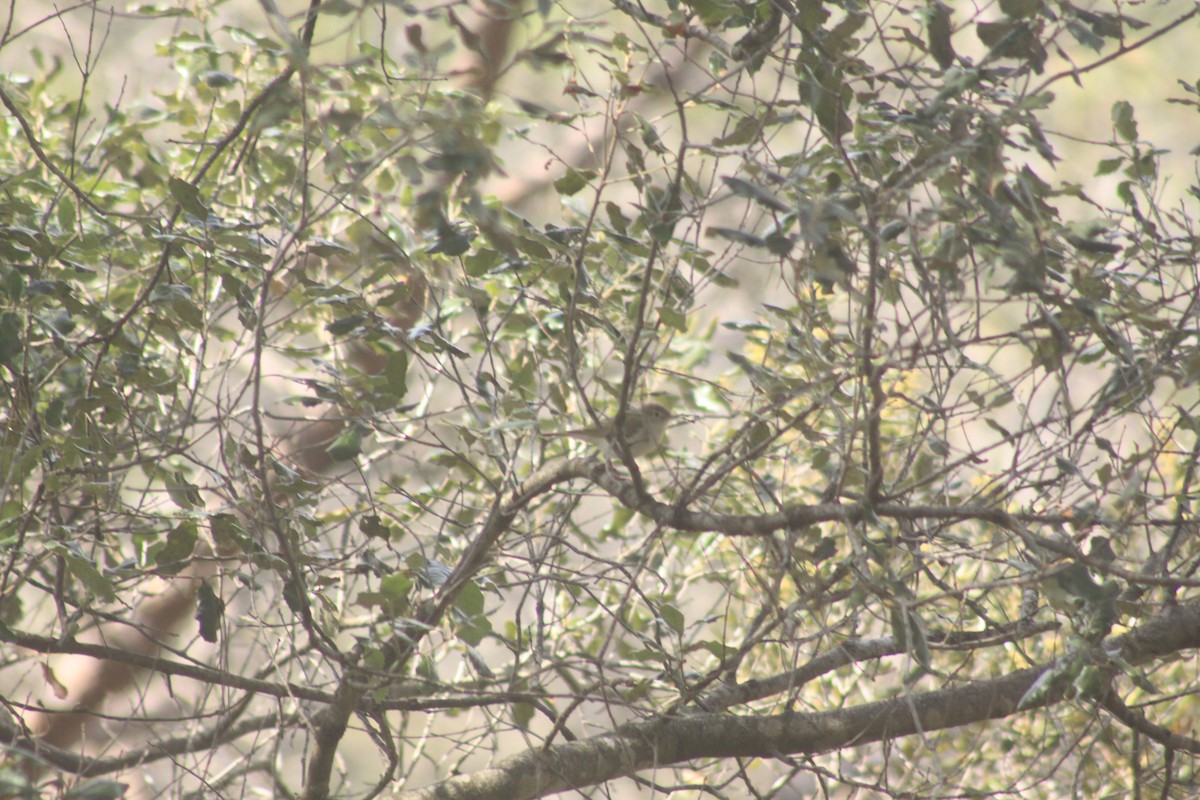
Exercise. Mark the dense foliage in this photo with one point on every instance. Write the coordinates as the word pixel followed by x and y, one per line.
pixel 287 335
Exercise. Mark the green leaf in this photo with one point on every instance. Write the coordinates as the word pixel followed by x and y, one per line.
pixel 938 29
pixel 573 181
pixel 830 106
pixel 734 235
pixel 344 325
pixel 1138 676
pixel 188 197
pixel 745 130
pixel 66 212
pixel 95 583
pixel 347 445
pixel 827 548
pixel 395 373
pixel 1020 9
pixel 11 344
pixel 97 789
pixel 1125 192
pixel 1085 35
pixel 470 600
pixel 616 218
pixel 293 595
pixel 750 191
pixel 474 625
pixel 228 533
pixel 373 527
pixel 996 426
pixel 219 79
pixel 672 616
pixel 892 230
pixel 482 261
pixel 396 586
pixel 453 240
pixel 174 553
pixel 1123 121
pixel 210 610
pixel 392 597
pixel 1011 38
pixel 713 13
pixel 673 319
pixel 1046 683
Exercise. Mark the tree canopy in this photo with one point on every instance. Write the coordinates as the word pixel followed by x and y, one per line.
pixel 297 302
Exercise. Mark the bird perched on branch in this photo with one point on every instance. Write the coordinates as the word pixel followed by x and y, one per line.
pixel 642 430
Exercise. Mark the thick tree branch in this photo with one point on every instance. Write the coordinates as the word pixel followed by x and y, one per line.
pixel 851 652
pixel 659 743
pixel 328 732
pixel 208 675
pixel 1138 722
pixel 84 766
pixel 798 515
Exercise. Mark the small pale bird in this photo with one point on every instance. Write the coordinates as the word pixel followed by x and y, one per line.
pixel 643 430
